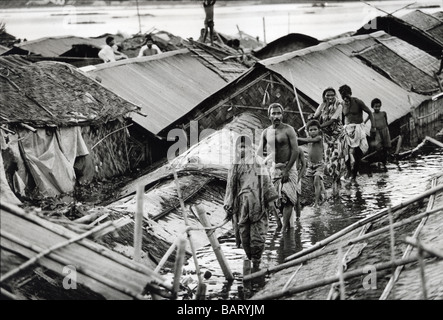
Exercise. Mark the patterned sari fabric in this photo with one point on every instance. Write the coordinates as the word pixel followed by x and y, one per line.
pixel 333 139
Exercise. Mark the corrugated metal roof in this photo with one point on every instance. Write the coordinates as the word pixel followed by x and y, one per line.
pixel 419 58
pixel 437 32
pixel 165 86
pixel 422 20
pixel 313 69
pixel 55 46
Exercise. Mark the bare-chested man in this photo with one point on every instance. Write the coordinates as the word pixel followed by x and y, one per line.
pixel 280 140
pixel 355 142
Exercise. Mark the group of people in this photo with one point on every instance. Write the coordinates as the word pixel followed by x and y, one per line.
pixel 268 180
pixel 111 51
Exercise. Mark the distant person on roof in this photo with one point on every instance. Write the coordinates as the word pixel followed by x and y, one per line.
pixel 109 52
pixel 208 6
pixel 150 48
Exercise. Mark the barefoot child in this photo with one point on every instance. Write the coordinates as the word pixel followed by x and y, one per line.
pixel 316 164
pixel 382 136
pixel 249 198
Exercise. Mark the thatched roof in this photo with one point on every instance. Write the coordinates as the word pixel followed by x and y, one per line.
pixel 54 94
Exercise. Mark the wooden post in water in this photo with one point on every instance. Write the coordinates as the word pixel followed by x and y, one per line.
pixel 392 238
pixel 201 290
pixel 178 266
pixel 399 142
pixel 340 274
pixel 138 224
pixel 246 272
pixel 215 244
pixel 264 30
pixel 421 262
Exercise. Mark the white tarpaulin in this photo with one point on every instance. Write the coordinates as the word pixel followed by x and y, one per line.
pixel 50 157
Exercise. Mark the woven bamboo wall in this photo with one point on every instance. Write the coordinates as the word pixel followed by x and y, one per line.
pixel 426 120
pixel 114 155
pixel 256 98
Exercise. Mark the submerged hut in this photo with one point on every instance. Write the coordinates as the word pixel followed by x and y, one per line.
pixel 59 128
pixel 166 87
pixel 201 174
pixel 355 61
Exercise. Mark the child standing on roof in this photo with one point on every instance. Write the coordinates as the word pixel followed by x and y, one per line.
pixel 208 6
pixel 382 137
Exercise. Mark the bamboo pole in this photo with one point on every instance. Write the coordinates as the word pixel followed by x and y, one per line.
pixel 357 224
pixel 318 253
pixel 298 105
pixel 392 241
pixel 332 279
pixel 399 142
pixel 292 277
pixel 340 274
pixel 421 263
pixel 215 244
pixel 264 30
pixel 138 224
pixel 89 244
pixel 413 242
pixel 51 249
pixel 9 295
pixel 408 250
pixel 178 267
pixel 166 256
pixel 53 256
pixel 201 285
pixel 246 272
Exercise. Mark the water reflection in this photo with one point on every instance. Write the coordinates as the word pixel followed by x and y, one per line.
pixel 401 181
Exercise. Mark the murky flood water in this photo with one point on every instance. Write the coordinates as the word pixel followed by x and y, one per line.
pixel 398 183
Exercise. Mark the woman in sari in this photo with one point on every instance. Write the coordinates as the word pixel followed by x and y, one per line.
pixel 329 114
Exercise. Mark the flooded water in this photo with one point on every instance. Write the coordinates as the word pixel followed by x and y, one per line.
pixel 266 21
pixel 398 183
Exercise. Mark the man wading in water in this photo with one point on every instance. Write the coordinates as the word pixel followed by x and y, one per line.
pixel 281 144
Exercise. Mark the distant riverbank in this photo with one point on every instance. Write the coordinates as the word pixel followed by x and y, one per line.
pixel 185 19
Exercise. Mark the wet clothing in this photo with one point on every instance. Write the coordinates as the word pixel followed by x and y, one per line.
pixel 355 145
pixel 315 169
pixel 334 159
pixel 286 191
pixel 249 190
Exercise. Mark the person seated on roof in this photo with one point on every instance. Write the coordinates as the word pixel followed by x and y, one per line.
pixel 109 52
pixel 149 48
